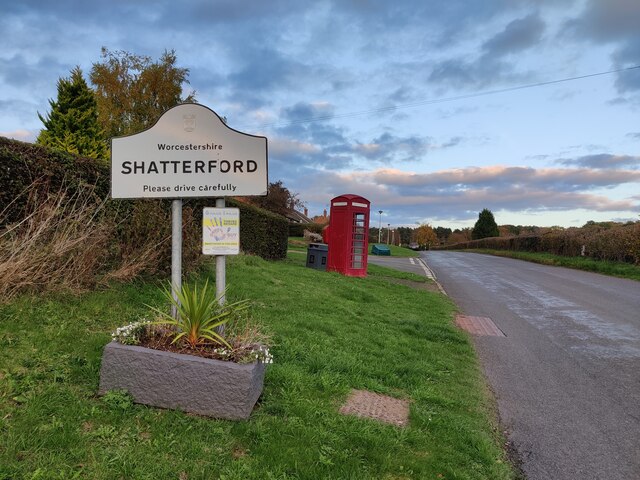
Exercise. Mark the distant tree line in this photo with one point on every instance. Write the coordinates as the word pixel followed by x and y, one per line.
pixel 425 236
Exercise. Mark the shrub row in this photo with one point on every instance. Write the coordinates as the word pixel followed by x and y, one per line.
pixel 262 233
pixel 530 243
pixel 616 243
pixel 28 169
pixel 137 232
pixel 62 245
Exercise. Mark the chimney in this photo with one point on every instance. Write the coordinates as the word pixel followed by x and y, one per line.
pixel 306 212
pixel 324 214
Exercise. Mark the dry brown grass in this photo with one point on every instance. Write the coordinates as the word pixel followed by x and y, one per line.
pixel 59 245
pixel 73 241
pixel 136 263
pixel 246 335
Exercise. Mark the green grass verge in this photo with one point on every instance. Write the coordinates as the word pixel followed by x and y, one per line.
pixel 397 251
pixel 616 269
pixel 388 273
pixel 297 244
pixel 332 334
pixel 300 244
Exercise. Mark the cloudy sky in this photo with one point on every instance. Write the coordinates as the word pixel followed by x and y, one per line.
pixel 431 109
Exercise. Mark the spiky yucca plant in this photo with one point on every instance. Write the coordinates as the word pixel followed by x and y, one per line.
pixel 199 314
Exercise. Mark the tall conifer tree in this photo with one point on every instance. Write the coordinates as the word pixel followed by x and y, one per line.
pixel 486 226
pixel 72 125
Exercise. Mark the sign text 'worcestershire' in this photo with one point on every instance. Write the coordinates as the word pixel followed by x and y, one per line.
pixel 189 146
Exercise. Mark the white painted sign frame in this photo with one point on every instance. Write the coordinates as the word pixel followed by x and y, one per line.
pixel 189 152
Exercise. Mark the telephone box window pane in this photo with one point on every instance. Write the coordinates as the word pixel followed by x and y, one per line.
pixel 358 236
pixel 357 264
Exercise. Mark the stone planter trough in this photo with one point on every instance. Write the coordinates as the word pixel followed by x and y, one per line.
pixel 183 382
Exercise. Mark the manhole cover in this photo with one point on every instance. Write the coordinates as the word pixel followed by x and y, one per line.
pixel 481 326
pixel 378 407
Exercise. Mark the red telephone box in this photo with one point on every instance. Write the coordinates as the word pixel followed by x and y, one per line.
pixel 348 235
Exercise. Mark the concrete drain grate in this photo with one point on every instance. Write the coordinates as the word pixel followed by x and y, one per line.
pixel 481 326
pixel 378 407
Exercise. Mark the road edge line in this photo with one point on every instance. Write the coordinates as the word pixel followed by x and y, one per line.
pixel 431 275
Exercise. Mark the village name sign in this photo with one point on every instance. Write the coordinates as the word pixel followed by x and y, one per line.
pixel 189 152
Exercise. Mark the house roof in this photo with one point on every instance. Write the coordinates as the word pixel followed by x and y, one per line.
pixel 297 217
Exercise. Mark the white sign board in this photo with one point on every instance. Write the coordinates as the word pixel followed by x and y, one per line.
pixel 220 231
pixel 189 152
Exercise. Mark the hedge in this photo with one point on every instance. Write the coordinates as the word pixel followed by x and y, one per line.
pixel 262 233
pixel 24 166
pixel 28 169
pixel 616 242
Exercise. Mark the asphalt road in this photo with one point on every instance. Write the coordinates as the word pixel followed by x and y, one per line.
pixel 405 264
pixel 567 374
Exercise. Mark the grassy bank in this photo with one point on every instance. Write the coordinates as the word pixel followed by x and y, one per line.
pixel 300 244
pixel 616 269
pixel 297 244
pixel 332 333
pixel 397 251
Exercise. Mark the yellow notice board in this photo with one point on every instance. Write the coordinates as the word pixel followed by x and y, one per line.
pixel 220 231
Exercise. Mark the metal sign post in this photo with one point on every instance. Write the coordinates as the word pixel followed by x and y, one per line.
pixel 176 252
pixel 221 267
pixel 221 274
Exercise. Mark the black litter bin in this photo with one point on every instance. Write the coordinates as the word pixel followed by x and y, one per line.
pixel 317 255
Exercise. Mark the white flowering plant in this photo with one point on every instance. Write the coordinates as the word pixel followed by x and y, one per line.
pixel 248 340
pixel 263 355
pixel 130 334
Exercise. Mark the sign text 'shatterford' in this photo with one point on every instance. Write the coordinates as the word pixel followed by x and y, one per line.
pixel 188 166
